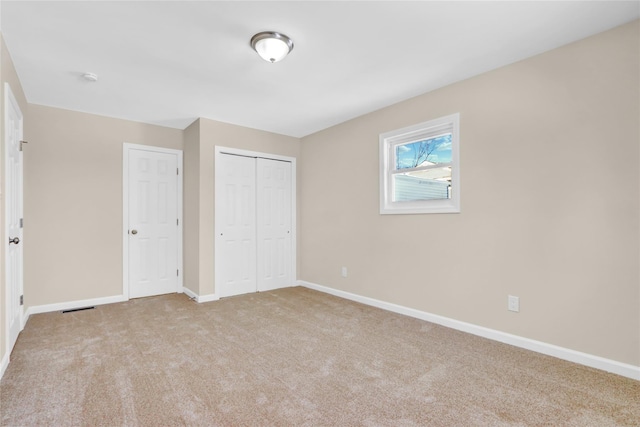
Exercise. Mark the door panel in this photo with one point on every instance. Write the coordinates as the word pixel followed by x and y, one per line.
pixel 274 224
pixel 153 215
pixel 13 209
pixel 235 212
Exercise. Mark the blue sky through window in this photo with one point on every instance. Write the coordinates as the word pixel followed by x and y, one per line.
pixel 434 150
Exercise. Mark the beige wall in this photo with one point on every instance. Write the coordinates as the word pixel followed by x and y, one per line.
pixel 550 202
pixel 214 133
pixel 191 214
pixel 73 202
pixel 7 75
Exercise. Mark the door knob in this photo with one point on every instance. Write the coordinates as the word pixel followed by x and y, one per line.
pixel 15 240
pixel 134 231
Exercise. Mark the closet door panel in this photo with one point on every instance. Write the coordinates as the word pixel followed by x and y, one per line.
pixel 235 217
pixel 274 269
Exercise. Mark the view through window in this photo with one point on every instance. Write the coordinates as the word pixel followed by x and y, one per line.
pixel 423 169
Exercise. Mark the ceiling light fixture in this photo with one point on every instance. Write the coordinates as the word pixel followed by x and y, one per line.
pixel 271 46
pixel 91 77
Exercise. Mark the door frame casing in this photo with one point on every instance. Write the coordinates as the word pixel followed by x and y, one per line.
pixel 218 150
pixel 9 98
pixel 126 147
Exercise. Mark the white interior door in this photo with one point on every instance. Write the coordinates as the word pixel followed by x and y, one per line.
pixel 274 224
pixel 13 210
pixel 153 223
pixel 235 216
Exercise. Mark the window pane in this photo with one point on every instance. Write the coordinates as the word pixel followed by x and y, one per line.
pixel 427 184
pixel 422 153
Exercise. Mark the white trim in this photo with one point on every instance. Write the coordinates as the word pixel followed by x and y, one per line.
pixel 294 234
pixel 24 318
pixel 188 292
pixel 126 147
pixel 198 298
pixel 623 369
pixel 70 305
pixel 207 298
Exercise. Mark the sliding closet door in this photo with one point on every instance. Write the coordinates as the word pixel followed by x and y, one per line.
pixel 253 214
pixel 235 202
pixel 274 224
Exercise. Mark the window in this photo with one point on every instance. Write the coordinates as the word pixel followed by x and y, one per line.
pixel 419 168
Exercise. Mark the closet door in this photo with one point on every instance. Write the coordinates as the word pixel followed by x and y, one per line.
pixel 274 268
pixel 235 216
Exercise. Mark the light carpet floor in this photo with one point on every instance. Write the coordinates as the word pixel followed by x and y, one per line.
pixel 291 357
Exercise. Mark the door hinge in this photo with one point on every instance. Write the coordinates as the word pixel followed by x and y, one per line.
pixel 21 222
pixel 21 299
pixel 177 171
pixel 23 142
pixel 177 272
pixel 177 221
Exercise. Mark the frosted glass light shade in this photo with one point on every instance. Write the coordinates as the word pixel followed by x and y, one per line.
pixel 271 46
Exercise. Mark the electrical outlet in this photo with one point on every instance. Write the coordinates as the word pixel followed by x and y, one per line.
pixel 344 272
pixel 513 303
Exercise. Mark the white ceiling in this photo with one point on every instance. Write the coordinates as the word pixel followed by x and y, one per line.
pixel 169 62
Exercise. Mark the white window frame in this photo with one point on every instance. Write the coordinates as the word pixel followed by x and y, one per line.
pixel 418 132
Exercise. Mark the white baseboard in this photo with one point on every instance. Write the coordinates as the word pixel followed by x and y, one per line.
pixel 626 370
pixel 4 364
pixel 200 298
pixel 24 316
pixel 190 293
pixel 70 305
pixel 208 298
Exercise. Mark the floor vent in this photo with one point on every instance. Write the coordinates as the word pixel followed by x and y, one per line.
pixel 78 309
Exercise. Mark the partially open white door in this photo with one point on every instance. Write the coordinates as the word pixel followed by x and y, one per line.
pixel 153 221
pixel 13 216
